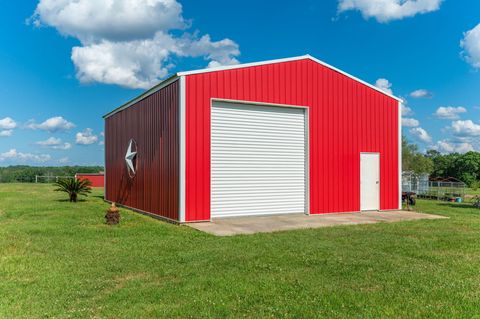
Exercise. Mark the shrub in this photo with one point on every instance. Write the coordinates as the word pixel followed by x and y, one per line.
pixel 73 187
pixel 475 185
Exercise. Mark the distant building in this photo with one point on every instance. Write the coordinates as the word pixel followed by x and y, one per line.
pixel 97 179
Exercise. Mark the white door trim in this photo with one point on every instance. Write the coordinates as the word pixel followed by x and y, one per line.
pixel 307 142
pixel 379 181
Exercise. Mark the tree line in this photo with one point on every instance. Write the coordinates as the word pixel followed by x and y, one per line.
pixel 465 167
pixel 26 174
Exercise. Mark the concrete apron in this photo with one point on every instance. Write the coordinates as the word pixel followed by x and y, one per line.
pixel 272 223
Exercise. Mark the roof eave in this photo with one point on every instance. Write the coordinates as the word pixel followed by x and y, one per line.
pixel 296 58
pixel 176 76
pixel 354 78
pixel 145 94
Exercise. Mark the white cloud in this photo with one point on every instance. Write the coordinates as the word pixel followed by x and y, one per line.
pixel 54 124
pixel 449 112
pixel 6 133
pixel 141 63
pixel 445 146
pixel 13 155
pixel 421 134
pixel 421 94
pixel 471 46
pixel 406 111
pixel 114 20
pixel 102 134
pixel 384 85
pixel 465 128
pixel 86 137
pixel 64 160
pixel 388 10
pixel 7 124
pixel 55 143
pixel 129 43
pixel 410 122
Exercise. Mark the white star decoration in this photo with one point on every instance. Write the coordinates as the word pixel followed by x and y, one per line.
pixel 129 157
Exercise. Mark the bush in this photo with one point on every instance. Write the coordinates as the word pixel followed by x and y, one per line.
pixel 475 185
pixel 73 187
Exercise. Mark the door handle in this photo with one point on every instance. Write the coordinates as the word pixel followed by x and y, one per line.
pixel 377 182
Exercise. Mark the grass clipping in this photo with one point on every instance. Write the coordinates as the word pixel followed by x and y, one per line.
pixel 113 215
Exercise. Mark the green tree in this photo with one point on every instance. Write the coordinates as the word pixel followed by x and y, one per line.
pixel 446 165
pixel 468 167
pixel 414 160
pixel 26 174
pixel 465 167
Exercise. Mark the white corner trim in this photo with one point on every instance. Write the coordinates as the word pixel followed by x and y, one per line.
pixel 104 161
pixel 182 150
pixel 400 154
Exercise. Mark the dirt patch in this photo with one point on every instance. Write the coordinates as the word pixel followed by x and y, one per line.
pixel 123 279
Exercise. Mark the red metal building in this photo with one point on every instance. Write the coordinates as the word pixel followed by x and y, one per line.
pixel 97 179
pixel 293 135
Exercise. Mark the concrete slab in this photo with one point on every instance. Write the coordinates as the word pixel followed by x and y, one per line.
pixel 265 224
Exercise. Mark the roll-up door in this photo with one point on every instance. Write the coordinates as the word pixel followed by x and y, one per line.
pixel 258 161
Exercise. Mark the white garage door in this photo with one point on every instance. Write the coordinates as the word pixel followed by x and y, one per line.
pixel 257 160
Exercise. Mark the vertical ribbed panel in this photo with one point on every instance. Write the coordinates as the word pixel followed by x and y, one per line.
pixel 345 119
pixel 153 124
pixel 97 180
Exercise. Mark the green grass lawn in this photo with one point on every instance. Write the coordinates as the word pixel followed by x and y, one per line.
pixel 59 260
pixel 471 191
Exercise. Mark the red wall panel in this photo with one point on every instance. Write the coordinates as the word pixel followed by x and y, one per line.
pixel 345 118
pixel 154 124
pixel 97 180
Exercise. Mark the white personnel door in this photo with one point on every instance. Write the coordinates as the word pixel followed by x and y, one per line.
pixel 370 181
pixel 257 159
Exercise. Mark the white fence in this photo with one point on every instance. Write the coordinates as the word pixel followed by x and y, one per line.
pixel 49 178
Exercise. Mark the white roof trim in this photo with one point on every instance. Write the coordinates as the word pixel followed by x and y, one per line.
pixel 175 77
pixel 302 57
pixel 145 94
pixel 244 65
pixel 354 78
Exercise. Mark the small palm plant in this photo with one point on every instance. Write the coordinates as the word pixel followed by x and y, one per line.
pixel 73 187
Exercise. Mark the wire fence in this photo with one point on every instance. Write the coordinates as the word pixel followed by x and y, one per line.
pixel 450 189
pixel 49 178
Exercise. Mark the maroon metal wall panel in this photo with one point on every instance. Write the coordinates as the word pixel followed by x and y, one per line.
pixel 154 124
pixel 346 117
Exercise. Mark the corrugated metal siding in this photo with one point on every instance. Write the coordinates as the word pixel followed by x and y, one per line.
pixel 154 124
pixel 97 180
pixel 346 118
pixel 258 160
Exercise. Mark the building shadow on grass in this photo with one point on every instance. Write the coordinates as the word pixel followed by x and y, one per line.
pixel 458 205
pixel 67 200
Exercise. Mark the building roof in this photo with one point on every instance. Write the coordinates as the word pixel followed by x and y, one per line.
pixel 175 76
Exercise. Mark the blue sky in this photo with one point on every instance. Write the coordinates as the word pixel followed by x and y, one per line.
pixel 66 63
